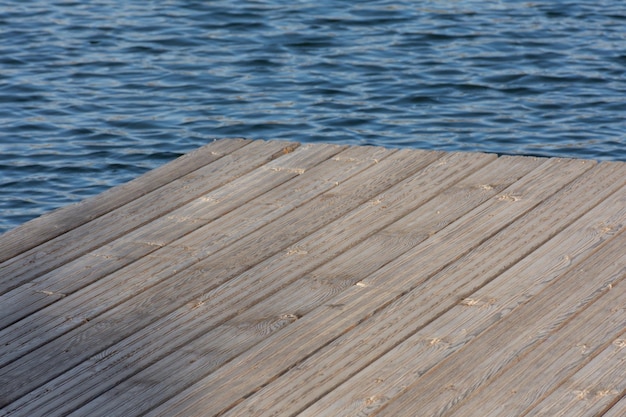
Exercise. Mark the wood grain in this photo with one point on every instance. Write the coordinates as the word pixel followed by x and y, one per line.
pixel 451 382
pixel 179 284
pixel 113 224
pixel 360 301
pixel 356 345
pixel 244 194
pixel 55 223
pixel 258 322
pixel 276 278
pixel 473 313
pixel 618 409
pixel 593 388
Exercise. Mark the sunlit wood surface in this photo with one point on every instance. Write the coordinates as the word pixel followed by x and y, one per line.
pixel 258 278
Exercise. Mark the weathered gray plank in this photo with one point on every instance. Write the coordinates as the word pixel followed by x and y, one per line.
pixel 498 348
pixel 570 345
pixel 99 295
pixel 368 390
pixel 592 389
pixel 113 224
pixel 55 223
pixel 159 300
pixel 238 196
pixel 255 324
pixel 293 288
pixel 383 169
pixel 618 409
pixel 276 354
pixel 376 385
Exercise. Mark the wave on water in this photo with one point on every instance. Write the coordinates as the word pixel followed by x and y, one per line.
pixel 93 94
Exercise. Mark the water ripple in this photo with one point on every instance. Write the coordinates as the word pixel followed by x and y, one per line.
pixel 93 94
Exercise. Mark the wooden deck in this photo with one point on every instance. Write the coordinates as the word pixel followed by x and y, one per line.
pixel 254 278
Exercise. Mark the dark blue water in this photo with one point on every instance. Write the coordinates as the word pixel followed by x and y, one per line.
pixel 94 93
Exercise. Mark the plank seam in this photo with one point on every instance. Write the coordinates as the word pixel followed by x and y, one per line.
pixel 69 208
pixel 467 295
pixel 138 225
pixel 156 318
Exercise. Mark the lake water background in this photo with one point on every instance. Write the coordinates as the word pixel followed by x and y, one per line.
pixel 95 93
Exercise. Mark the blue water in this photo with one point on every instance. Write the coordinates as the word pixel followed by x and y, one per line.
pixel 94 93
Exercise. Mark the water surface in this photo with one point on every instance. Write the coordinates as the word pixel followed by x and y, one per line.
pixel 94 93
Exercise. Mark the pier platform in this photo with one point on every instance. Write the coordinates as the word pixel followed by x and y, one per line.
pixel 270 278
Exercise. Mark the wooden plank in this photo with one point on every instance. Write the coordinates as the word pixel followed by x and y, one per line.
pixel 128 317
pixel 288 290
pixel 237 196
pixel 383 169
pixel 78 241
pixel 253 325
pixel 592 389
pixel 121 286
pixel 55 223
pixel 276 354
pixel 617 410
pixel 566 349
pixel 376 385
pixel 364 344
pixel 504 342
